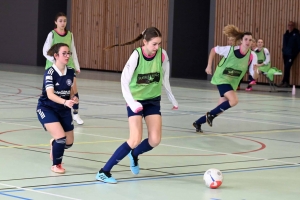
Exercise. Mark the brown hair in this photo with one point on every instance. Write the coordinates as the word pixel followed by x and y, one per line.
pixel 60 14
pixel 147 34
pixel 233 31
pixel 55 49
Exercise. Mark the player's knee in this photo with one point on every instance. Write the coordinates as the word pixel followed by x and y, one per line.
pixel 61 140
pixel 233 102
pixel 134 142
pixel 154 141
pixel 68 146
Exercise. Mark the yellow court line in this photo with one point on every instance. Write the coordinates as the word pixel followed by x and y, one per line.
pixel 47 145
pixel 164 138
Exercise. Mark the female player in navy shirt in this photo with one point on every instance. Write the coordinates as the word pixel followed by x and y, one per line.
pixel 54 105
pixel 61 35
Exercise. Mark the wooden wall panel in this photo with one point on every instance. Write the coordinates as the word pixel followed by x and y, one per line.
pixel 88 23
pixel 266 19
pixel 100 23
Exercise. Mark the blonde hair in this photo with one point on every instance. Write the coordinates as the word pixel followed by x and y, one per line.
pixel 233 31
pixel 233 41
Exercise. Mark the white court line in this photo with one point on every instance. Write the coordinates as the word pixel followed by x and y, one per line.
pixel 30 190
pixel 193 148
pixel 209 90
pixel 117 83
pixel 245 120
pixel 21 125
pixel 274 114
pixel 180 147
pixel 197 149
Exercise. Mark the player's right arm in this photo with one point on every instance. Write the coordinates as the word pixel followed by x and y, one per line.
pixel 211 57
pixel 221 50
pixel 125 81
pixel 49 87
pixel 47 46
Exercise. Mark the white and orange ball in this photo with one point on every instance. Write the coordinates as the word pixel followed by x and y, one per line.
pixel 213 178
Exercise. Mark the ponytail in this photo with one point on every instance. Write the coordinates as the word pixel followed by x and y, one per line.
pixel 233 31
pixel 147 34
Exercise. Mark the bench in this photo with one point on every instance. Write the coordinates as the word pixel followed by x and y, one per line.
pixel 271 83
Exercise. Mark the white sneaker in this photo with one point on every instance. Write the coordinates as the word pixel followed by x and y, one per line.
pixel 77 118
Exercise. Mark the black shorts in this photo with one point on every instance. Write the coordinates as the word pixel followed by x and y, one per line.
pixel 149 108
pixel 64 117
pixel 223 88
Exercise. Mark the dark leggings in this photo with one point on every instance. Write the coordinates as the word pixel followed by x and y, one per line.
pixel 288 62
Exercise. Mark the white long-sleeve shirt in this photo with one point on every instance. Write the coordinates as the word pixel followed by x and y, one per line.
pixel 48 45
pixel 129 70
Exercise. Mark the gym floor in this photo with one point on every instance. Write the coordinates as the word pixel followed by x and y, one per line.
pixel 255 144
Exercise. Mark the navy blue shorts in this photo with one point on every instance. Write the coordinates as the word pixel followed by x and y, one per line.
pixel 64 117
pixel 149 108
pixel 224 88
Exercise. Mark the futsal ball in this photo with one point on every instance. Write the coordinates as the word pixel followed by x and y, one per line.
pixel 213 178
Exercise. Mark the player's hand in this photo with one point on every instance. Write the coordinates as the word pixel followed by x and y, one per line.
pixel 175 108
pixel 136 107
pixel 69 103
pixel 208 70
pixel 78 71
pixel 75 99
pixel 255 68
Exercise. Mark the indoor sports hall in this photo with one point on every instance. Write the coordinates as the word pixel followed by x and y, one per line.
pixel 255 144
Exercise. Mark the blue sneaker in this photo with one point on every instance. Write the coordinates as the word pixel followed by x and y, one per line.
pixel 105 177
pixel 134 166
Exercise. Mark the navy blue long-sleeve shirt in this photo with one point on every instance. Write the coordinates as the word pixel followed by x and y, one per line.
pixel 291 43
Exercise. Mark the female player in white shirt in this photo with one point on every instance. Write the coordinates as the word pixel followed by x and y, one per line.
pixel 143 76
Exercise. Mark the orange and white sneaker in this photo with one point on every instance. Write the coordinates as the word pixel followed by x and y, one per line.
pixel 58 169
pixel 51 141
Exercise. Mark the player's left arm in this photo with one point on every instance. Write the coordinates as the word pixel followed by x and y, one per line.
pixel 74 55
pixel 253 68
pixel 165 80
pixel 74 91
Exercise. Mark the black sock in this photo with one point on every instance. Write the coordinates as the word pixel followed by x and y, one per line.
pixel 58 150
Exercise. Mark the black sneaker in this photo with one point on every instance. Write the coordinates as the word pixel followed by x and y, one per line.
pixel 198 127
pixel 209 118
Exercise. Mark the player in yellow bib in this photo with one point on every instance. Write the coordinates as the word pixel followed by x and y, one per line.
pixel 263 61
pixel 237 61
pixel 263 56
pixel 143 76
